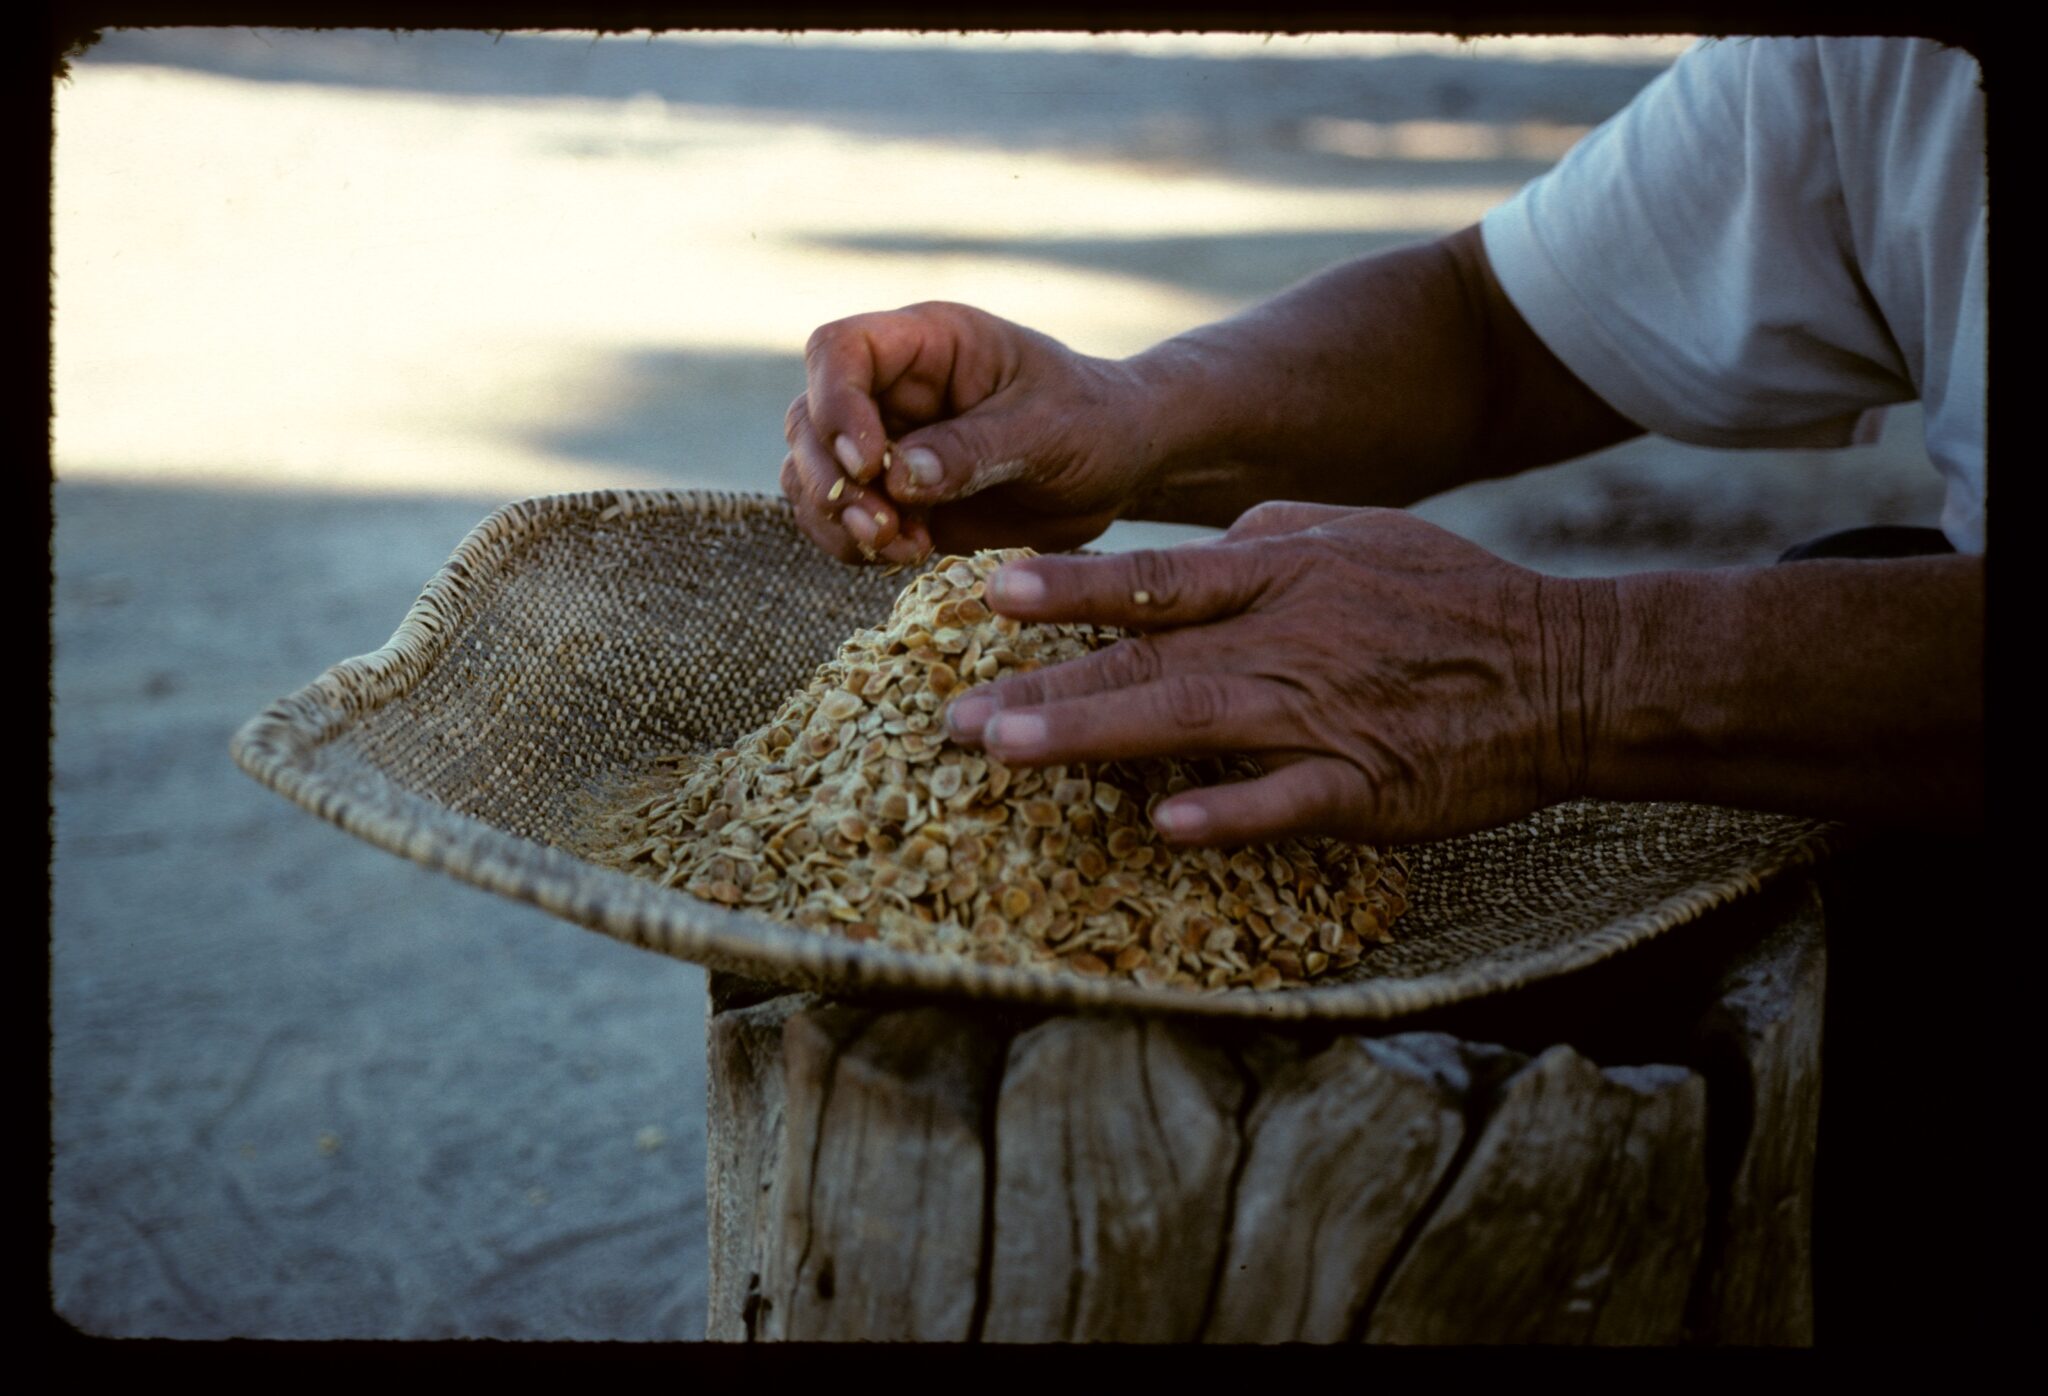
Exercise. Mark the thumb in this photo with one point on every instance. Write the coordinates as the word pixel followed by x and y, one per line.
pixel 952 460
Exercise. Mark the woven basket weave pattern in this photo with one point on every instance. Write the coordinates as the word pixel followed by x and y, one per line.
pixel 573 638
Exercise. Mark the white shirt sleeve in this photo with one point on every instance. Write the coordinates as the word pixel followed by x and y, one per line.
pixel 1776 237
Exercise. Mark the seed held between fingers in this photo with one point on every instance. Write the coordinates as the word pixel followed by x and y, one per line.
pixel 838 488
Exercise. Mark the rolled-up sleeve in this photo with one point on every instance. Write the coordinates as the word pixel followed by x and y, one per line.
pixel 1692 260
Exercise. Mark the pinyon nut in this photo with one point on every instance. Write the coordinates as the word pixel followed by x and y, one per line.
pixel 851 813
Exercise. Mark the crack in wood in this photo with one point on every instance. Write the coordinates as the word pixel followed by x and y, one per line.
pixel 750 1308
pixel 1576 1218
pixel 1759 1049
pixel 1077 1272
pixel 1245 1106
pixel 743 1101
pixel 985 1256
pixel 1482 1092
pixel 1152 1104
pixel 1353 1186
pixel 829 1076
pixel 1730 1123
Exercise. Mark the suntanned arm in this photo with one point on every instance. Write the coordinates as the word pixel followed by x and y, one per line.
pixel 1419 687
pixel 1381 381
pixel 1853 689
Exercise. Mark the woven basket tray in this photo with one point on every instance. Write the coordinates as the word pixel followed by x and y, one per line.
pixel 572 638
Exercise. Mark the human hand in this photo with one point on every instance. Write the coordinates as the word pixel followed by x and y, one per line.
pixel 1397 682
pixel 942 426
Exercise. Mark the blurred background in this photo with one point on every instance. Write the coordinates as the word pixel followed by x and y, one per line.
pixel 324 300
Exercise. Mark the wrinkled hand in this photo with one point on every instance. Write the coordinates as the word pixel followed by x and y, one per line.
pixel 1397 682
pixel 941 426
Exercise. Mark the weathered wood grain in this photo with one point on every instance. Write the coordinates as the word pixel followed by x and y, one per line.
pixel 1577 1217
pixel 1343 1151
pixel 745 1131
pixel 1116 1145
pixel 1759 1046
pixel 1162 1182
pixel 882 1183
pixel 811 1043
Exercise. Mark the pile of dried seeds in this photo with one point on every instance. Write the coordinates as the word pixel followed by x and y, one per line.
pixel 851 812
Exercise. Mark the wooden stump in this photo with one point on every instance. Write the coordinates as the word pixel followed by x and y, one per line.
pixel 1640 1173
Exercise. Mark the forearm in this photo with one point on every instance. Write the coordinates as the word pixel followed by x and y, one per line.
pixel 1382 381
pixel 1840 688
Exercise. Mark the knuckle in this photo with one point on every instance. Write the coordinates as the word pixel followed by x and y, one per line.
pixel 1152 573
pixel 934 310
pixel 1194 702
pixel 1362 809
pixel 1324 795
pixel 828 540
pixel 1264 516
pixel 793 420
pixel 825 338
pixel 1326 790
pixel 1134 662
pixel 1017 691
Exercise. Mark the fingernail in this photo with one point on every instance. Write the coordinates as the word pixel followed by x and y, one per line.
pixel 1181 821
pixel 859 525
pixel 848 453
pixel 1015 734
pixel 923 465
pixel 966 717
pixel 1012 587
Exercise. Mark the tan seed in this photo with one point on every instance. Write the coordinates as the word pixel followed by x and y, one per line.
pixel 1035 866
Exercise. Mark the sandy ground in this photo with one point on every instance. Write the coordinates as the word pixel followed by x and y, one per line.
pixel 324 301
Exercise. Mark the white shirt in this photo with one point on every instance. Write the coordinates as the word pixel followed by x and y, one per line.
pixel 1776 237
